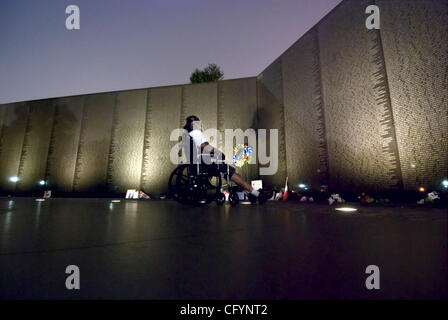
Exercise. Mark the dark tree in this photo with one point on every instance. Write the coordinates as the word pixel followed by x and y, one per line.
pixel 210 73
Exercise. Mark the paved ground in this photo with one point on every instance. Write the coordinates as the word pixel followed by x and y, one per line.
pixel 162 250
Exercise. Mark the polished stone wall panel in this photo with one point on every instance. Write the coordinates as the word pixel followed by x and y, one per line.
pixel 271 116
pixel 2 116
pixel 126 151
pixel 237 109
pixel 36 145
pixel 94 143
pixel 357 158
pixel 163 116
pixel 415 41
pixel 305 136
pixel 64 143
pixel 11 142
pixel 201 100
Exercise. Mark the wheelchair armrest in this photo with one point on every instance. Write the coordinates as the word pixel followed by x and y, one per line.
pixel 217 161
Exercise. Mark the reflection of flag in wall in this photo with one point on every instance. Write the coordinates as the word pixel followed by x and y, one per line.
pixel 286 194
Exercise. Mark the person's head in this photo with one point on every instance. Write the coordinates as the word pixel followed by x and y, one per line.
pixel 192 122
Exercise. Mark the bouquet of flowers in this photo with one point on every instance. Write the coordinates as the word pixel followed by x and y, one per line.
pixel 306 199
pixel 335 198
pixel 243 155
pixel 431 197
pixel 366 199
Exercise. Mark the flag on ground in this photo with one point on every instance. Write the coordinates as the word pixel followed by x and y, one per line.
pixel 286 194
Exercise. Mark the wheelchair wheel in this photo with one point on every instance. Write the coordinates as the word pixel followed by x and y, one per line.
pixel 172 182
pixel 196 190
pixel 233 199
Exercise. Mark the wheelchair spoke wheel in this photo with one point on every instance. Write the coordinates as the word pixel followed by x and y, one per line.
pixel 176 182
pixel 192 189
pixel 172 182
pixel 187 187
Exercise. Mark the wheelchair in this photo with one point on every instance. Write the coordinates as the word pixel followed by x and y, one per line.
pixel 198 184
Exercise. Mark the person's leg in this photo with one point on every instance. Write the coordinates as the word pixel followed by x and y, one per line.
pixel 235 177
pixel 253 194
pixel 241 182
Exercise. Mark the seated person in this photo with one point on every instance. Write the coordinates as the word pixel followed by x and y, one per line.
pixel 193 127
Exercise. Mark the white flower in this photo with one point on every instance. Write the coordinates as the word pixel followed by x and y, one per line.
pixel 433 195
pixel 335 197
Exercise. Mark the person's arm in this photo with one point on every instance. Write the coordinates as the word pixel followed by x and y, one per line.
pixel 200 139
pixel 210 149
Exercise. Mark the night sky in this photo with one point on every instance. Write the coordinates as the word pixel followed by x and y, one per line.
pixel 139 44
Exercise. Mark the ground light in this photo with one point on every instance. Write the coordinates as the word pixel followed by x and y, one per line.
pixel 42 182
pixel 116 201
pixel 14 179
pixel 445 184
pixel 421 189
pixel 303 186
pixel 40 200
pixel 346 209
